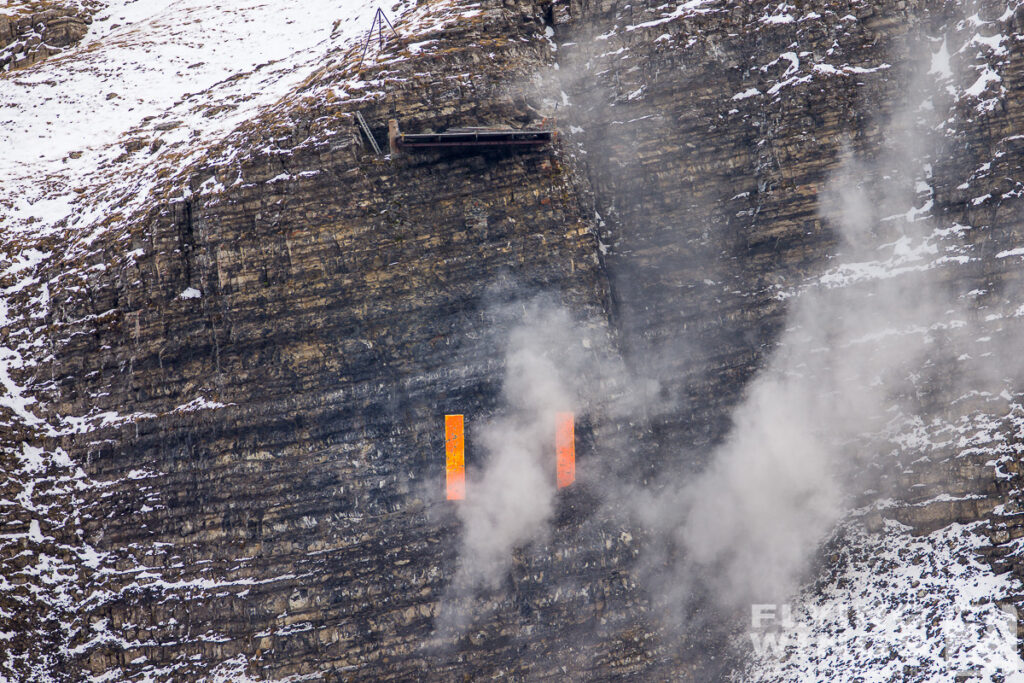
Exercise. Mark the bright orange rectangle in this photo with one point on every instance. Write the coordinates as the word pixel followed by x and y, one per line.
pixel 455 457
pixel 565 447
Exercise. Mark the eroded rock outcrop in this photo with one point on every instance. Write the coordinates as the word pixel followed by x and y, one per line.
pixel 40 30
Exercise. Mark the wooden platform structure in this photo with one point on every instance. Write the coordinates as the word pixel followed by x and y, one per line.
pixel 469 139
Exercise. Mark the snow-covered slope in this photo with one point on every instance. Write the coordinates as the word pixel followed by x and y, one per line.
pixel 894 606
pixel 152 85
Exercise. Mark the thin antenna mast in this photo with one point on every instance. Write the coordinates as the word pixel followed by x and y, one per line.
pixel 379 19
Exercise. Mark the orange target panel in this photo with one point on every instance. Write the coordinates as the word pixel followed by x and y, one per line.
pixel 455 457
pixel 565 447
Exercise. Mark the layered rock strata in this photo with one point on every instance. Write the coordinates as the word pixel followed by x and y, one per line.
pixel 42 30
pixel 246 382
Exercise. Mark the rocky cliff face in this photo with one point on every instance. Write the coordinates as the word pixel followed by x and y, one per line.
pixel 32 32
pixel 225 381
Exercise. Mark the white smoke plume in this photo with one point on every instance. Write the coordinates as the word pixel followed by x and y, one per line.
pixel 512 498
pixel 860 341
pixel 749 524
pixel 552 363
